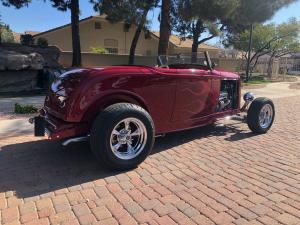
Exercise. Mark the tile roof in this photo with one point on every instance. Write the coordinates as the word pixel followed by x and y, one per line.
pixel 187 43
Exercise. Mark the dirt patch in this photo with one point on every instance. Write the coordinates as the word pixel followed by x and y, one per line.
pixel 12 116
pixel 295 86
pixel 254 86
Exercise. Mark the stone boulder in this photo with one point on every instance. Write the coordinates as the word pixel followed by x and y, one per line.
pixel 17 61
pixel 19 57
pixel 26 68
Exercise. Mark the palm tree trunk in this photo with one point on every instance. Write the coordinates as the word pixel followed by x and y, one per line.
pixel 165 28
pixel 75 33
pixel 137 36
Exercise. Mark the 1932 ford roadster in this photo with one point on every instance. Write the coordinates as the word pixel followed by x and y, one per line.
pixel 121 109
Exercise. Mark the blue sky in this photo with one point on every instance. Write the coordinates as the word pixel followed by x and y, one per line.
pixel 40 16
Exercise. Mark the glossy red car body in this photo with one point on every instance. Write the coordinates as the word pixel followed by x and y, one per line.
pixel 176 98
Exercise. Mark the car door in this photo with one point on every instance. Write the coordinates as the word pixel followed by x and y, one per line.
pixel 193 93
pixel 160 96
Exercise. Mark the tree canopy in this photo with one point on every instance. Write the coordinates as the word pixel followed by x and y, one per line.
pixel 258 11
pixel 16 3
pixel 268 39
pixel 193 18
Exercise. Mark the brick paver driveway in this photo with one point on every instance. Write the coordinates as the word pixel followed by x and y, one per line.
pixel 223 176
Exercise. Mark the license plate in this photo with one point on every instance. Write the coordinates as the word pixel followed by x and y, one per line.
pixel 39 126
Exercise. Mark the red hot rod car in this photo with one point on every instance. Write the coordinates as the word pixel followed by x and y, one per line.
pixel 121 109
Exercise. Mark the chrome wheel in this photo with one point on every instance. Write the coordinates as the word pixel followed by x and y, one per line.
pixel 128 138
pixel 266 116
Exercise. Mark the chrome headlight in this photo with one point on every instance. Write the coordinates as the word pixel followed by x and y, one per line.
pixel 249 97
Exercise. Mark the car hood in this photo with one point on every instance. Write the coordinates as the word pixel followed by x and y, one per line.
pixel 226 74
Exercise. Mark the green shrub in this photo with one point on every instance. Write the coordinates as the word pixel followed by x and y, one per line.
pixel 42 42
pixel 26 39
pixel 26 109
pixel 99 50
pixel 6 34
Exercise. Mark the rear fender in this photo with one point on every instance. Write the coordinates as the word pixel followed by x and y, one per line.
pixel 105 101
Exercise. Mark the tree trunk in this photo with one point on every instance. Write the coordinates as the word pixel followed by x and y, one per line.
pixel 195 45
pixel 270 66
pixel 165 28
pixel 75 33
pixel 0 34
pixel 137 36
pixel 195 49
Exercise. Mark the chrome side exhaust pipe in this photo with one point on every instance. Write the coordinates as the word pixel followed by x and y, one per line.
pixel 75 140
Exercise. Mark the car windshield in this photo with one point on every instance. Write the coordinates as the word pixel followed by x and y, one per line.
pixel 201 59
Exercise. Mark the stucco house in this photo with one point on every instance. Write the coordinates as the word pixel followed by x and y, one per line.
pixel 96 31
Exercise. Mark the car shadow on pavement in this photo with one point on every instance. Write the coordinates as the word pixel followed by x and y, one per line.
pixel 39 167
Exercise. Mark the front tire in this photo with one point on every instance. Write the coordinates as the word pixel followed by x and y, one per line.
pixel 261 115
pixel 122 136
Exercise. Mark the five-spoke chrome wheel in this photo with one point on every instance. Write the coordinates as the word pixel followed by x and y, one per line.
pixel 266 116
pixel 261 115
pixel 128 138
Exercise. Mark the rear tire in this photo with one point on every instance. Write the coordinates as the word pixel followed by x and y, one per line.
pixel 122 136
pixel 261 115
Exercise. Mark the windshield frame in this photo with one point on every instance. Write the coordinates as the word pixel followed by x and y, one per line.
pixel 163 61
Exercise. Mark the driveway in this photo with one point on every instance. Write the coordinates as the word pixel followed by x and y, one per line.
pixel 275 90
pixel 222 175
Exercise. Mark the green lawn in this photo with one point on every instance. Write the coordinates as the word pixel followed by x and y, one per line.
pixel 255 80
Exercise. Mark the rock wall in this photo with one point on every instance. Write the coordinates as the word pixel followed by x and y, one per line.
pixel 22 66
pixel 15 81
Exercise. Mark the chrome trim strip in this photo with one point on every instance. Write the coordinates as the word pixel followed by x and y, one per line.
pixel 51 123
pixel 75 140
pixel 47 132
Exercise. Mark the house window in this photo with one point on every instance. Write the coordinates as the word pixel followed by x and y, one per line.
pixel 111 46
pixel 98 25
pixel 110 43
pixel 112 50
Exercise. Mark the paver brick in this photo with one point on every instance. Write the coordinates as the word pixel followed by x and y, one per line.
pixel 288 219
pixel 276 197
pixel 10 214
pixel 133 208
pixel 81 209
pixel 86 219
pixel 61 217
pixel 165 220
pixel 223 218
pixel 38 222
pixel 46 212
pixel 29 217
pixel 110 221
